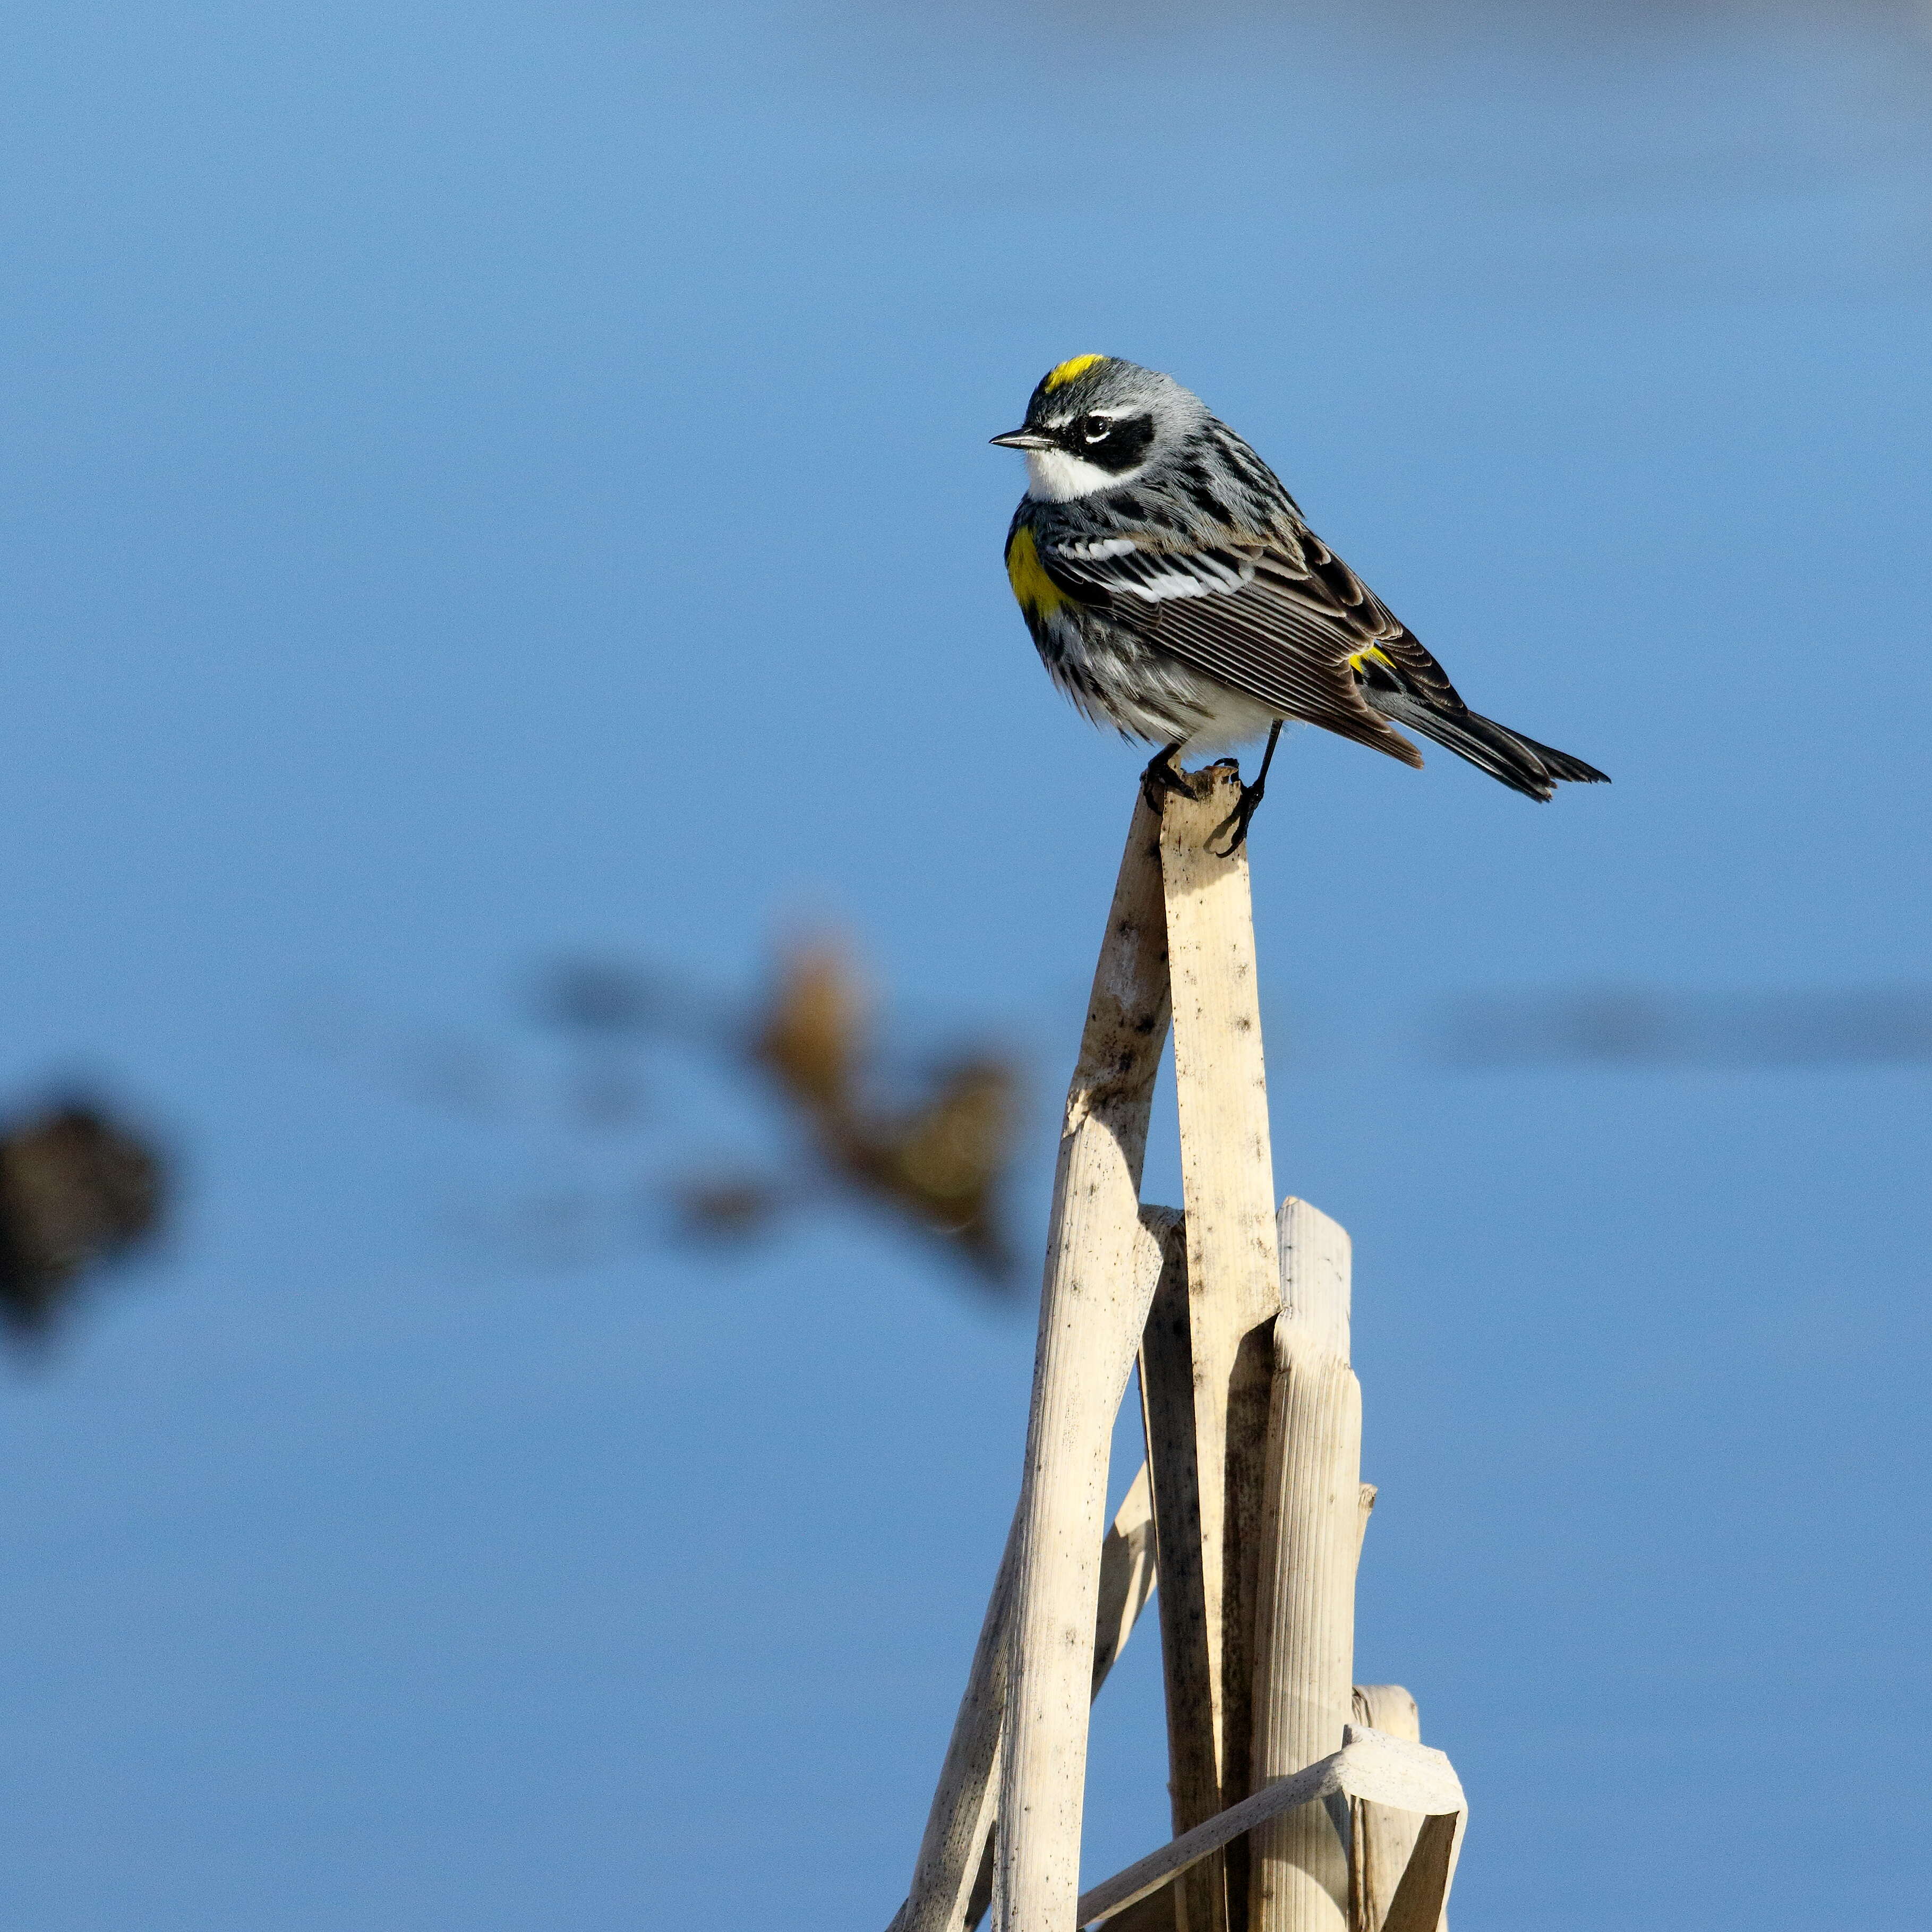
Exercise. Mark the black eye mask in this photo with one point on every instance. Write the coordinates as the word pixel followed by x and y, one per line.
pixel 1121 449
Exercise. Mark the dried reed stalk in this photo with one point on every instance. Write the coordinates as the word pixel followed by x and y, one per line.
pixel 1382 1770
pixel 1094 1306
pixel 959 1826
pixel 1126 1582
pixel 1384 1839
pixel 1233 1283
pixel 1127 1573
pixel 952 1879
pixel 1253 1424
pixel 1305 1635
pixel 1168 1389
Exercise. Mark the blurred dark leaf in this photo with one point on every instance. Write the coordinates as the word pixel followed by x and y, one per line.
pixel 76 1191
pixel 1632 1026
pixel 731 1208
pixel 602 997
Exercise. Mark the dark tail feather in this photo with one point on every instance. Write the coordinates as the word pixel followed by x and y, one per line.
pixel 1560 764
pixel 1518 762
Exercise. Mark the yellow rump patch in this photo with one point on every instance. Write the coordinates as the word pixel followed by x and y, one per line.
pixel 1375 651
pixel 1039 595
pixel 1065 372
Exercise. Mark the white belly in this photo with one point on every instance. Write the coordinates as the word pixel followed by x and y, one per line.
pixel 1234 719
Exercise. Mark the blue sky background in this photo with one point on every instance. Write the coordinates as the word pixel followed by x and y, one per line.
pixel 484 482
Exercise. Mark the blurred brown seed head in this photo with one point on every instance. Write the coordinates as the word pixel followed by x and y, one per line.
pixel 75 1190
pixel 809 1036
pixel 943 1164
pixel 939 1166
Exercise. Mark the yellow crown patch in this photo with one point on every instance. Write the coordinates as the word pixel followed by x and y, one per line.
pixel 1065 372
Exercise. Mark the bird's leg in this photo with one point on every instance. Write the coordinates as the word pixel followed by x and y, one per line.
pixel 1162 775
pixel 1244 806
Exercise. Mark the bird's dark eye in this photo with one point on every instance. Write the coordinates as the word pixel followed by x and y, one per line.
pixel 1094 429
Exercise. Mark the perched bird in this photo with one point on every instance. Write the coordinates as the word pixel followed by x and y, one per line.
pixel 1174 592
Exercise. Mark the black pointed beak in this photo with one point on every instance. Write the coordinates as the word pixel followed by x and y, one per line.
pixel 1024 439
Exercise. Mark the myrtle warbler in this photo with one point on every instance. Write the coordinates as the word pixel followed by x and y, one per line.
pixel 1174 592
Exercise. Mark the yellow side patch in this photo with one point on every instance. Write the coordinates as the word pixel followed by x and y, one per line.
pixel 1040 596
pixel 1065 372
pixel 1375 651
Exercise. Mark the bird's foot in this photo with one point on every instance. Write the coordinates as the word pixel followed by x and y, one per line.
pixel 1163 775
pixel 1236 823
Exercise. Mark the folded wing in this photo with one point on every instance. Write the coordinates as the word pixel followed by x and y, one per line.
pixel 1278 619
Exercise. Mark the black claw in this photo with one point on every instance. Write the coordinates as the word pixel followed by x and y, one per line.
pixel 1239 818
pixel 1162 775
pixel 1245 805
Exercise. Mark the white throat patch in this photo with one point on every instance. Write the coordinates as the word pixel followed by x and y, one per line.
pixel 1056 477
